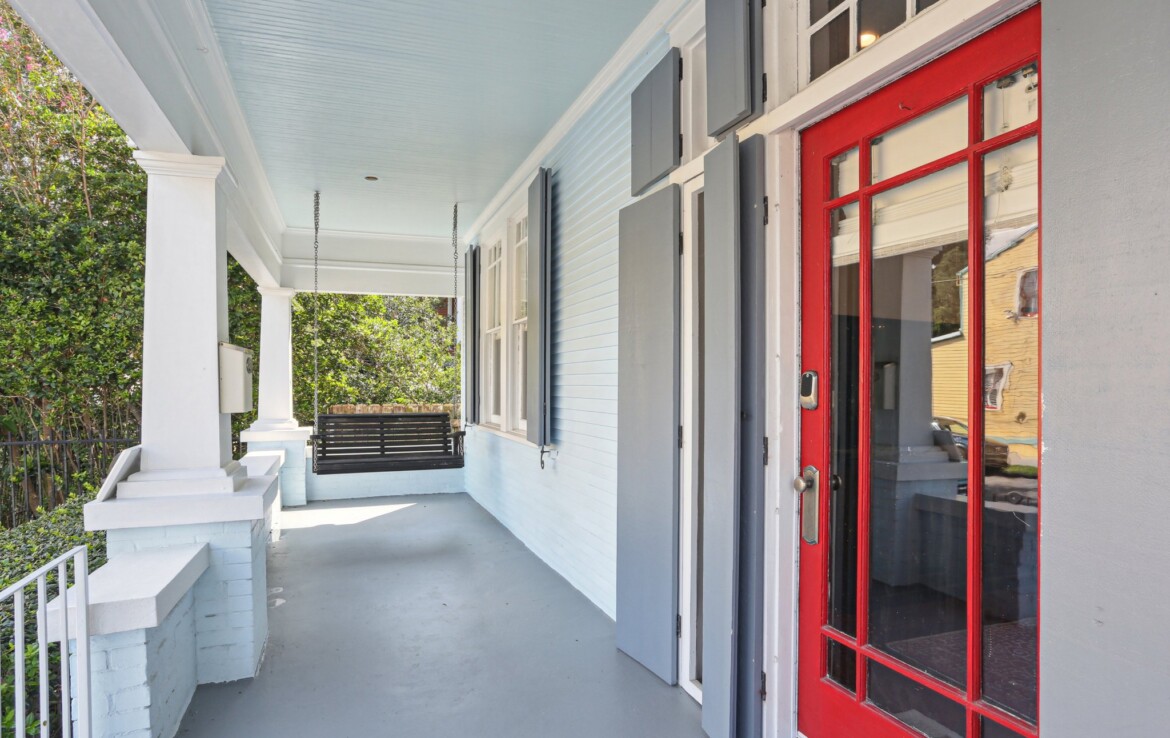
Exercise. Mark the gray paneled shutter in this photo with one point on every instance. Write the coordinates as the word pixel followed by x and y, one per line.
pixel 648 415
pixel 734 391
pixel 735 77
pixel 539 360
pixel 753 428
pixel 655 124
pixel 721 431
pixel 471 336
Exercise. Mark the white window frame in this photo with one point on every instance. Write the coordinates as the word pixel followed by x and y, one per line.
pixel 848 6
pixel 517 322
pixel 492 388
pixel 1020 293
pixel 511 388
pixel 1000 388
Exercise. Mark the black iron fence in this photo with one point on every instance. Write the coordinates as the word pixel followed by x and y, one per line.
pixel 43 473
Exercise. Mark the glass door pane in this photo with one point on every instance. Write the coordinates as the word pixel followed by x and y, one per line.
pixel 918 509
pixel 1011 421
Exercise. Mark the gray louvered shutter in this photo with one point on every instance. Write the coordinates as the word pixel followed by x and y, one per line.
pixel 735 68
pixel 648 414
pixel 721 429
pixel 471 336
pixel 655 124
pixel 539 386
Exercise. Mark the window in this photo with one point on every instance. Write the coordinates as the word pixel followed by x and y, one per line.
pixel 493 338
pixel 504 351
pixel 519 366
pixel 1028 305
pixel 994 383
pixel 837 29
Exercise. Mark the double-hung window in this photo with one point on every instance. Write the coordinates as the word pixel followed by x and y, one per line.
pixel 518 231
pixel 493 335
pixel 504 367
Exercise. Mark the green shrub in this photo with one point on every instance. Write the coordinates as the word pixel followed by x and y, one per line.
pixel 22 550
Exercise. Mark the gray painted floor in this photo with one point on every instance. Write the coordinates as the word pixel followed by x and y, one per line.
pixel 423 616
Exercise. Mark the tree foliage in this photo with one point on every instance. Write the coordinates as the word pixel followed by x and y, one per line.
pixel 373 349
pixel 72 217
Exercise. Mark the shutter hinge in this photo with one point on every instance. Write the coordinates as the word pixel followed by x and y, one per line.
pixel 763 685
pixel 678 626
pixel 680 145
pixel 765 210
pixel 766 451
pixel 680 244
pixel 680 68
pixel 680 436
pixel 764 84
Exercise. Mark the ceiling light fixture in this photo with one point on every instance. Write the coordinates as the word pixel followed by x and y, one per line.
pixel 371 178
pixel 865 38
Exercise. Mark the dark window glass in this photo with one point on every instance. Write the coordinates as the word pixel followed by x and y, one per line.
pixel 924 4
pixel 925 710
pixel 842 667
pixel 818 9
pixel 876 18
pixel 830 45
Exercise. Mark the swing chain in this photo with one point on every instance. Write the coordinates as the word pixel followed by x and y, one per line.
pixel 454 257
pixel 316 254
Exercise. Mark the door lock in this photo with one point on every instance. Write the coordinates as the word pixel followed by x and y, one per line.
pixel 808 484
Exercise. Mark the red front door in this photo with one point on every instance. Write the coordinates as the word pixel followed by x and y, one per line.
pixel 920 431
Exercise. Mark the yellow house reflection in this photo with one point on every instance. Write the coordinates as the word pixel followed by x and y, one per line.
pixel 1011 374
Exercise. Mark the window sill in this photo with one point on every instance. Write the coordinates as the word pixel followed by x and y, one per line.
pixel 513 436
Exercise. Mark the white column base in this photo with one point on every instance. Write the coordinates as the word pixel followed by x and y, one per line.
pixel 272 424
pixel 256 434
pixel 224 480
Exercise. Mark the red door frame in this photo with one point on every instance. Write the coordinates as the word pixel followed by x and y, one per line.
pixel 825 709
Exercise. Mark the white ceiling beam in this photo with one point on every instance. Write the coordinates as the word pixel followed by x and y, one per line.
pixel 81 41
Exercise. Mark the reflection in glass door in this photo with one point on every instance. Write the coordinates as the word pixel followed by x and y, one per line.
pixel 922 296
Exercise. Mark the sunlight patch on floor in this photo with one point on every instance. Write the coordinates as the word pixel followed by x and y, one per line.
pixel 313 517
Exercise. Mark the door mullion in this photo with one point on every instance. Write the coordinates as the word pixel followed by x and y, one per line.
pixel 865 392
pixel 976 262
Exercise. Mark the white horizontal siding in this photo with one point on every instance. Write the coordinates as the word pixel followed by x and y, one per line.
pixel 567 513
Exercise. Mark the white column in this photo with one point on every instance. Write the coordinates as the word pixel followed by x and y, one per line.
pixel 276 377
pixel 186 441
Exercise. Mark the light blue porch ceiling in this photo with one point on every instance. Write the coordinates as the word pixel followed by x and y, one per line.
pixel 440 99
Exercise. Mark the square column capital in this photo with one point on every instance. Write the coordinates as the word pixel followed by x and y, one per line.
pixel 287 292
pixel 179 165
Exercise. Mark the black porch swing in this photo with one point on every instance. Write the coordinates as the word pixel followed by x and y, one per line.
pixel 348 444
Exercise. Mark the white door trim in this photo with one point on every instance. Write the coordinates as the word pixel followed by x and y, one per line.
pixel 688 461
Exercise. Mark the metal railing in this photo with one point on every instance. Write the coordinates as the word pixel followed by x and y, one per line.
pixel 48 687
pixel 45 472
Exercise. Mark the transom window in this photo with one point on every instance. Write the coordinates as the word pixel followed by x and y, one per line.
pixel 835 30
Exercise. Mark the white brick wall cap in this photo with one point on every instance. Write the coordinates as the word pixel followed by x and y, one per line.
pixel 263 463
pixel 135 590
pixel 290 434
pixel 250 502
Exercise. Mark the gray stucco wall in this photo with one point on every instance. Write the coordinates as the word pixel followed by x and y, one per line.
pixel 1105 550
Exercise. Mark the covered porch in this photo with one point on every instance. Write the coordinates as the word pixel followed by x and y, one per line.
pixel 422 615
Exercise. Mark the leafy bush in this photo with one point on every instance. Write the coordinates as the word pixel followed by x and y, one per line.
pixel 22 550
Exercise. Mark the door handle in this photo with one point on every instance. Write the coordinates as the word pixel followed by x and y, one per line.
pixel 808 484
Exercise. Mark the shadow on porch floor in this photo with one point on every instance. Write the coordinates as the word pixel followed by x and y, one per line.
pixel 423 616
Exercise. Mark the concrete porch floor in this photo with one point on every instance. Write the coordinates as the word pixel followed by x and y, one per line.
pixel 423 616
